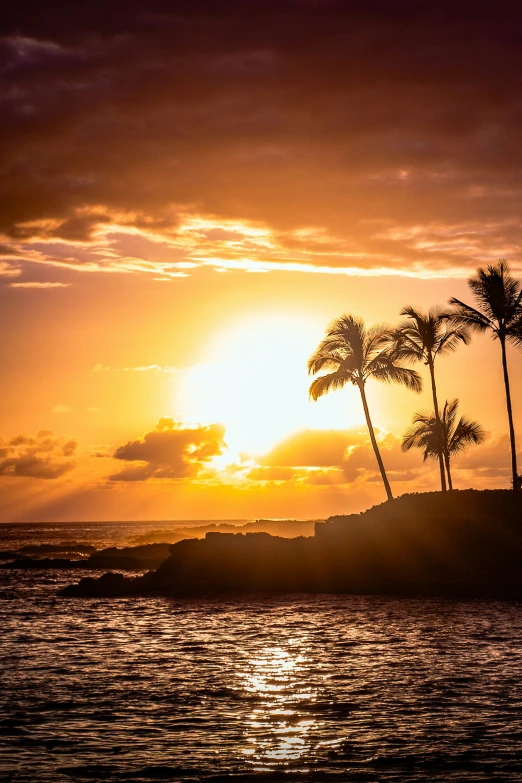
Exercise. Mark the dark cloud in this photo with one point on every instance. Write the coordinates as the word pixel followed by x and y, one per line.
pixel 44 456
pixel 171 451
pixel 396 126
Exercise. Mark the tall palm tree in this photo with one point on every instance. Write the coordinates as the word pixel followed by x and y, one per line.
pixel 456 436
pixel 422 337
pixel 498 297
pixel 351 353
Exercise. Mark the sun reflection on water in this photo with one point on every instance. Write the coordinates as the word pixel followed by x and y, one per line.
pixel 276 733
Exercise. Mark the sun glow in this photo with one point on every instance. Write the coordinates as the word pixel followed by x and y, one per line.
pixel 254 380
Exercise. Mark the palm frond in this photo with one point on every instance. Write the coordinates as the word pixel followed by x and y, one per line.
pixel 470 318
pixel 425 434
pixel 326 383
pixel 421 329
pixel 423 336
pixel 384 369
pixel 466 433
pixel 498 296
pixel 377 338
pixel 514 331
pixel 421 435
pixel 324 360
pixel 404 344
pixel 415 435
pixel 496 291
pixel 350 353
pixel 449 414
pixel 421 417
pixel 451 339
pixel 349 329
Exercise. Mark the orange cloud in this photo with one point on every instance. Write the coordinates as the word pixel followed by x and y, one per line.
pixel 37 284
pixel 320 152
pixel 312 448
pixel 171 451
pixel 44 456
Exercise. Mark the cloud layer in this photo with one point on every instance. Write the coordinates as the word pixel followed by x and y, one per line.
pixel 295 135
pixel 171 451
pixel 43 456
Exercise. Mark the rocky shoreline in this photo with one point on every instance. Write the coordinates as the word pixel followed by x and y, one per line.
pixel 126 558
pixel 146 551
pixel 459 544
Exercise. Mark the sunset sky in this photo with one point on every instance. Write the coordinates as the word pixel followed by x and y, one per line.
pixel 190 193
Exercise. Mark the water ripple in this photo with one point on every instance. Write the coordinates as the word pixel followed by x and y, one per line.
pixel 265 689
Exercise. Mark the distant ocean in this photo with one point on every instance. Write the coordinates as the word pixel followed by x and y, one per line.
pixel 99 534
pixel 265 689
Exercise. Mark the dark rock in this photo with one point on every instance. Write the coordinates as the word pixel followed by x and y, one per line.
pixel 251 562
pixel 43 563
pixel 107 586
pixel 458 544
pixel 101 562
pixel 127 559
pixel 137 557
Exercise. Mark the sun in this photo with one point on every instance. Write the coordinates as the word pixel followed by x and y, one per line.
pixel 253 378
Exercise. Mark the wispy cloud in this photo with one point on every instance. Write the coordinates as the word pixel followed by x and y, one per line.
pixel 39 285
pixel 8 269
pixel 61 409
pixel 139 368
pixel 197 241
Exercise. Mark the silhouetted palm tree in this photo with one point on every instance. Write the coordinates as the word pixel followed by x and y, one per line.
pixel 456 436
pixel 422 337
pixel 353 354
pixel 499 311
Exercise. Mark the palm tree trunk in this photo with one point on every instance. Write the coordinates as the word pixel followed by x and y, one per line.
pixel 510 416
pixel 374 443
pixel 447 461
pixel 439 425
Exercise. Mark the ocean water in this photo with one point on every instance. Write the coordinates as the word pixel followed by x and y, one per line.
pixel 99 534
pixel 260 688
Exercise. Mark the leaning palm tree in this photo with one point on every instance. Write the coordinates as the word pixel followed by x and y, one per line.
pixel 351 353
pixel 456 436
pixel 422 337
pixel 498 297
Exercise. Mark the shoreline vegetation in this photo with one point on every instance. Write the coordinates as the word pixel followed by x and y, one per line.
pixel 459 544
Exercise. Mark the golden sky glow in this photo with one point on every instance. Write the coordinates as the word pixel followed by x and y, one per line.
pixel 179 225
pixel 254 380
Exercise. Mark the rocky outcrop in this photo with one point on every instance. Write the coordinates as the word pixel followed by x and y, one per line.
pixel 8 554
pixel 146 556
pixel 285 528
pixel 465 544
pixel 112 585
pixel 127 558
